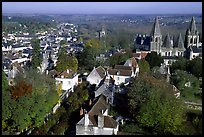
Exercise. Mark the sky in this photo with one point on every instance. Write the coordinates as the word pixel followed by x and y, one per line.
pixel 103 7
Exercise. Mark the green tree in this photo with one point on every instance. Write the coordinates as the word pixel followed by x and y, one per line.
pixel 181 79
pixel 87 59
pixel 78 97
pixel 36 59
pixel 118 58
pixel 195 67
pixel 29 110
pixel 163 113
pixel 7 103
pixel 152 104
pixel 144 65
pixel 95 43
pixel 65 62
pixel 154 59
pixel 63 43
pixel 181 64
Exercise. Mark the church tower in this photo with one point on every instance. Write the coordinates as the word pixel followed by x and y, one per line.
pixel 156 37
pixel 192 35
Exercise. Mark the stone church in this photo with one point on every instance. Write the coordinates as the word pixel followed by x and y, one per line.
pixel 170 47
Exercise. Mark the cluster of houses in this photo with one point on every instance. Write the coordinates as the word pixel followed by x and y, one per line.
pixel 107 80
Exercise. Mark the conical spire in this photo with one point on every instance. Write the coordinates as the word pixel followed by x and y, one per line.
pixel 156 28
pixel 180 43
pixel 192 26
pixel 167 42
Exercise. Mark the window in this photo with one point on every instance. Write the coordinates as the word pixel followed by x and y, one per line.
pixel 169 53
pixel 118 78
pixel 69 82
pixel 165 53
pixel 156 39
pixel 195 41
pixel 191 40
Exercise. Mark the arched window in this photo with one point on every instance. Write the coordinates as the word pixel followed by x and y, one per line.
pixel 156 39
pixel 169 53
pixel 195 40
pixel 191 40
pixel 165 53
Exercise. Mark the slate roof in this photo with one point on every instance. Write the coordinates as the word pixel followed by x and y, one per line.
pixel 167 42
pixel 156 28
pixel 169 57
pixel 179 43
pixel 196 49
pixel 103 89
pixel 192 26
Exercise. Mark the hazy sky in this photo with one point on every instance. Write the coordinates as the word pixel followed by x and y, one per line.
pixel 103 7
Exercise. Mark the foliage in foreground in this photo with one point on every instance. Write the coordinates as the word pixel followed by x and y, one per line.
pixel 28 110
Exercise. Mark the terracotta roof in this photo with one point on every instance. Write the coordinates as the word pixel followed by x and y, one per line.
pixel 101 71
pixel 120 72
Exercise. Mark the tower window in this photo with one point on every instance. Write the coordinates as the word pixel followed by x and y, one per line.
pixel 191 40
pixel 156 39
pixel 195 41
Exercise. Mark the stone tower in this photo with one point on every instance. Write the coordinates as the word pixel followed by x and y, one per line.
pixel 192 35
pixel 156 37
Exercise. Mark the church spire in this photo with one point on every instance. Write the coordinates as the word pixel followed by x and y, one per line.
pixel 180 43
pixel 167 42
pixel 156 28
pixel 192 26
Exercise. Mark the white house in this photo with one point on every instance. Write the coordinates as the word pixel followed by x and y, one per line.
pixel 68 79
pixel 97 121
pixel 121 74
pixel 133 63
pixel 96 75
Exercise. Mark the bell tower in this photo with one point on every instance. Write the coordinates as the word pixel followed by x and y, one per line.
pixel 156 37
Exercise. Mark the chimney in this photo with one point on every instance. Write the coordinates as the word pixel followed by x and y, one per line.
pixel 86 119
pixel 46 72
pixel 90 102
pixel 100 121
pixel 81 111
